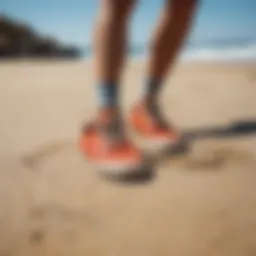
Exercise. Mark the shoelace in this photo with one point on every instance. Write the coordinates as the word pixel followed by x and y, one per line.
pixel 115 130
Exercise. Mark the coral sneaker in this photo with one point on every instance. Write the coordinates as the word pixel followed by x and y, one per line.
pixel 148 122
pixel 107 148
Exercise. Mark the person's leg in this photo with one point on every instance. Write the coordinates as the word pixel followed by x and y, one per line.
pixel 104 142
pixel 169 35
pixel 110 44
pixel 168 38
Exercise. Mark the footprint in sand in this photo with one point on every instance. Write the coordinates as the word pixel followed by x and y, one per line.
pixel 46 218
pixel 33 159
pixel 213 159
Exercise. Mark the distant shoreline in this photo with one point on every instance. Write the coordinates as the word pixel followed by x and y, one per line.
pixel 199 63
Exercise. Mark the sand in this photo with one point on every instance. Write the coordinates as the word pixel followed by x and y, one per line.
pixel 200 202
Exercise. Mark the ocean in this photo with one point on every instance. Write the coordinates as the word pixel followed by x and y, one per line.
pixel 235 50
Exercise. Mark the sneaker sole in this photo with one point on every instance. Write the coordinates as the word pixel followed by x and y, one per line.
pixel 154 145
pixel 116 170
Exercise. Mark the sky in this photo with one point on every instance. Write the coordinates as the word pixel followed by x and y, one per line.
pixel 72 21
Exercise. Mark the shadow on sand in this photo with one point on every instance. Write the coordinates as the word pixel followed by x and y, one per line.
pixel 236 129
pixel 143 176
pixel 241 128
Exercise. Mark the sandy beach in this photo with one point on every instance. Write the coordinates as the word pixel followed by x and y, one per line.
pixel 200 202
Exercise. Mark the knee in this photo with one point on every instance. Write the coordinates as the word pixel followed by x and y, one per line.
pixel 179 9
pixel 181 5
pixel 116 10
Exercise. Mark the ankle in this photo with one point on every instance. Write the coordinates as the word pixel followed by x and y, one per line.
pixel 151 89
pixel 107 114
